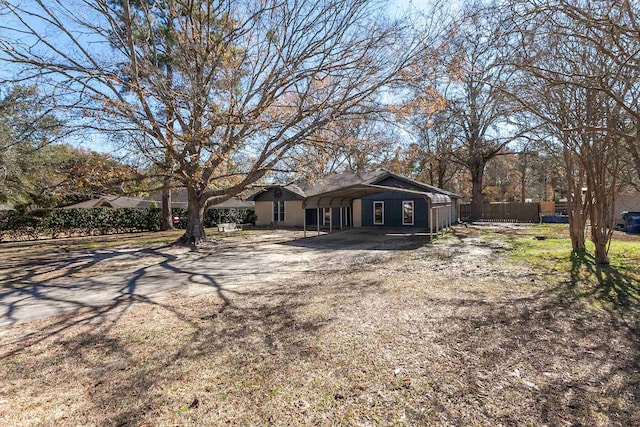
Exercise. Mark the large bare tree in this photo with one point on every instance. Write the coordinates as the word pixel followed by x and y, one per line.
pixel 580 94
pixel 222 89
pixel 462 74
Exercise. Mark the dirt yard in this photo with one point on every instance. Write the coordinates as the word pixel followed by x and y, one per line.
pixel 484 327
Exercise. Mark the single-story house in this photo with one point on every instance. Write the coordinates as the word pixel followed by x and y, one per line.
pixel 110 201
pixel 626 201
pixel 178 200
pixel 376 199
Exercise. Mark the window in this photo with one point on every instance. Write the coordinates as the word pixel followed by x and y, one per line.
pixel 407 212
pixel 378 213
pixel 278 211
pixel 326 216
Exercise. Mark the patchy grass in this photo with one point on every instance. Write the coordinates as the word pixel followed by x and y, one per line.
pixel 620 279
pixel 473 330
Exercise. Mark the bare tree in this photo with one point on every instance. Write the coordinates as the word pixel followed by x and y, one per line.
pixel 571 87
pixel 463 74
pixel 612 29
pixel 341 146
pixel 222 89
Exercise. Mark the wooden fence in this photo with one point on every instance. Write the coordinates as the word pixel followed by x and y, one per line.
pixel 502 212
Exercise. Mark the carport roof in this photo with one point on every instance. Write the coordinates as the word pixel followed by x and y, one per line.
pixel 344 196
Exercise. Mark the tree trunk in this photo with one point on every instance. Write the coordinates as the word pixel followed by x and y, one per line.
pixel 601 255
pixel 523 185
pixel 576 224
pixel 441 174
pixel 477 198
pixel 600 228
pixel 194 234
pixel 167 217
pixel 575 210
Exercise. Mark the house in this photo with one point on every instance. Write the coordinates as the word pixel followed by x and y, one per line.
pixel 376 199
pixel 626 201
pixel 110 201
pixel 178 200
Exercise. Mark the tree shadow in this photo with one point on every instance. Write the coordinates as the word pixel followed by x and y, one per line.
pixel 616 288
pixel 64 305
pixel 252 335
pixel 47 279
pixel 550 357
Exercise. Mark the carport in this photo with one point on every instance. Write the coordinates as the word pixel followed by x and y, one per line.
pixel 439 206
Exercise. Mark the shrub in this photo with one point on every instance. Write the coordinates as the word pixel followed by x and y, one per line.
pixel 21 224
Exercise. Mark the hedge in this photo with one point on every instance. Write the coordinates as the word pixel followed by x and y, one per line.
pixel 21 225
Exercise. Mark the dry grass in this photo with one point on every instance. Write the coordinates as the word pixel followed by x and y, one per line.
pixel 455 333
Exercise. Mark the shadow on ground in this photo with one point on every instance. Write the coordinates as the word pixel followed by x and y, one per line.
pixel 405 239
pixel 615 287
pixel 571 353
pixel 88 300
pixel 129 373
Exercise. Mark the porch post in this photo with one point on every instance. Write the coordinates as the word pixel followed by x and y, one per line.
pixel 304 220
pixel 318 217
pixel 351 213
pixel 341 212
pixel 330 220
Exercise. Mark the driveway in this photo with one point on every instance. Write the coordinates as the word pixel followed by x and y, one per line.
pixel 54 283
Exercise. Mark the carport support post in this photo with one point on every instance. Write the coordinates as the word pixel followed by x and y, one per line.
pixel 304 220
pixel 340 218
pixel 431 222
pixel 447 217
pixel 330 220
pixel 318 217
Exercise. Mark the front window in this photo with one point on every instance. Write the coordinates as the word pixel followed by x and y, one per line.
pixel 278 211
pixel 378 213
pixel 407 212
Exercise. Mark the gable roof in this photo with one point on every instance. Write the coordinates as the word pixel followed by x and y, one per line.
pixel 110 201
pixel 334 182
pixel 426 187
pixel 292 188
pixel 343 180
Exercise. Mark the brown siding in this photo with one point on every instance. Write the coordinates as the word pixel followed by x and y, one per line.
pixel 626 202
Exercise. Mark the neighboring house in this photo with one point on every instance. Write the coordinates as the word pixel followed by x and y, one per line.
pixel 376 199
pixel 179 199
pixel 628 201
pixel 112 202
